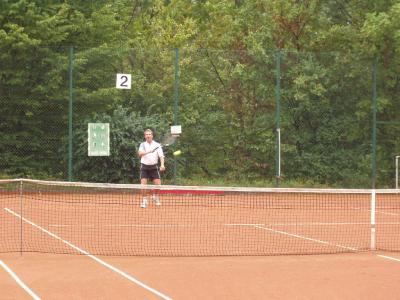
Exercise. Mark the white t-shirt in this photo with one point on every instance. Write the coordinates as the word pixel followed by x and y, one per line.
pixel 150 158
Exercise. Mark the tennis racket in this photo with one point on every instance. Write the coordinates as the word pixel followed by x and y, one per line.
pixel 167 140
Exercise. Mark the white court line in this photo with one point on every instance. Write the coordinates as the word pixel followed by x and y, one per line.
pixel 127 276
pixel 124 225
pixel 315 224
pixel 377 211
pixel 220 224
pixel 389 257
pixel 306 238
pixel 19 281
pixel 148 225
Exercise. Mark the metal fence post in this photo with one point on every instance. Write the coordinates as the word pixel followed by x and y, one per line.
pixel 374 97
pixel 277 119
pixel 70 112
pixel 176 103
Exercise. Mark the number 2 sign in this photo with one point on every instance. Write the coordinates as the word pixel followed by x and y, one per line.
pixel 123 81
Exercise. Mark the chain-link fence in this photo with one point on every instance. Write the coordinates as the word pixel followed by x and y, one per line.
pixel 276 117
pixel 34 112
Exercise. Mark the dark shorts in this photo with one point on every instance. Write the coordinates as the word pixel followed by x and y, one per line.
pixel 149 172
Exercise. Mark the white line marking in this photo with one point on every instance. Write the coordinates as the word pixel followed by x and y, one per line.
pixel 228 224
pixel 306 238
pixel 314 224
pixel 127 276
pixel 389 257
pixel 19 281
pixel 124 225
pixel 386 213
pixel 377 211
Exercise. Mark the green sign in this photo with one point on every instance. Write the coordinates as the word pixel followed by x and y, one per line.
pixel 98 139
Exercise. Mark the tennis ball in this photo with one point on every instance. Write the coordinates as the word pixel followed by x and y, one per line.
pixel 178 152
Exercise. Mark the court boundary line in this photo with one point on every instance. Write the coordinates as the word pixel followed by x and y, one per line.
pixel 389 257
pixel 376 211
pixel 19 281
pixel 306 238
pixel 224 224
pixel 95 258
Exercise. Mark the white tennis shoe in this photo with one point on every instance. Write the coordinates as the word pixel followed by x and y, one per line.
pixel 144 203
pixel 156 200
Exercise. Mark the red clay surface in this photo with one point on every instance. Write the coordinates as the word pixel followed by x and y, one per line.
pixel 343 276
pixel 211 225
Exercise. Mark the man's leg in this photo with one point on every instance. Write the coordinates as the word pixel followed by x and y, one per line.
pixel 144 193
pixel 156 197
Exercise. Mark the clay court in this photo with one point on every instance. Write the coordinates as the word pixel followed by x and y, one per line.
pixel 96 242
pixel 344 276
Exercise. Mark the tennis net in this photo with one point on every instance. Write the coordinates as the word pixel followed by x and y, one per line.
pixel 108 219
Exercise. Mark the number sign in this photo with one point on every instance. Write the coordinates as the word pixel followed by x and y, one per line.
pixel 123 81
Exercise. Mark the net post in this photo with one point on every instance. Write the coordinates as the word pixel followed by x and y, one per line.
pixel 397 172
pixel 20 210
pixel 373 221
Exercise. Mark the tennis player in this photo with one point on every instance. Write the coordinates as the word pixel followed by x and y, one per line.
pixel 150 152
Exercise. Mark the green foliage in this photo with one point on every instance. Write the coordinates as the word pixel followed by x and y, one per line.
pixel 227 86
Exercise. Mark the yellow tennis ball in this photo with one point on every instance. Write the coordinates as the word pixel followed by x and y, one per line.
pixel 178 152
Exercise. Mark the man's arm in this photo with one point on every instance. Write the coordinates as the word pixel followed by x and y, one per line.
pixel 162 167
pixel 141 151
pixel 160 153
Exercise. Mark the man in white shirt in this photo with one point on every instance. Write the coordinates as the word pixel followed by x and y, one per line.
pixel 150 152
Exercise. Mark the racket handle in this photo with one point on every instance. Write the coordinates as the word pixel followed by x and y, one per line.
pixel 152 151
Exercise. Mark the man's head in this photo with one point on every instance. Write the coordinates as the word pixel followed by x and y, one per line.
pixel 148 135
